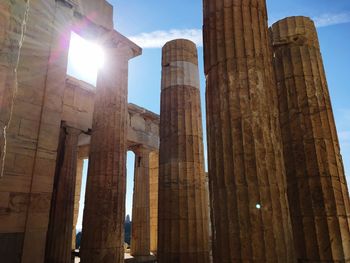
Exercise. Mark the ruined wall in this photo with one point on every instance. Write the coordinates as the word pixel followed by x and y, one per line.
pixel 34 41
pixel 36 83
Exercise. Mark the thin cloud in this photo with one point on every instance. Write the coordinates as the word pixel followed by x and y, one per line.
pixel 332 19
pixel 157 39
pixel 344 136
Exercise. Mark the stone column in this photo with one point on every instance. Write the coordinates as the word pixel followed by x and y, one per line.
pixel 182 219
pixel 153 174
pixel 140 235
pixel 250 214
pixel 103 222
pixel 59 243
pixel 317 189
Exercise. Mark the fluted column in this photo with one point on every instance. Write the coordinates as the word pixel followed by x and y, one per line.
pixel 317 189
pixel 103 222
pixel 153 174
pixel 182 219
pixel 140 236
pixel 250 214
pixel 59 241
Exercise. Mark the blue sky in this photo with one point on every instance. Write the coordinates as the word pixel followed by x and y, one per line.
pixel 150 23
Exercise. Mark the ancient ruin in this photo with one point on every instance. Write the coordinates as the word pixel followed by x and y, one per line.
pixel 183 228
pixel 317 190
pixel 249 206
pixel 277 186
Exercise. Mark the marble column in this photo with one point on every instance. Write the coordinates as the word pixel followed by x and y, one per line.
pixel 59 242
pixel 153 174
pixel 317 189
pixel 182 205
pixel 140 236
pixel 250 214
pixel 104 213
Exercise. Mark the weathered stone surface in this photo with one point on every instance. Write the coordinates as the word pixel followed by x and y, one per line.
pixel 58 242
pixel 250 214
pixel 143 125
pixel 32 65
pixel 182 205
pixel 140 235
pixel 98 11
pixel 34 40
pixel 103 223
pixel 317 189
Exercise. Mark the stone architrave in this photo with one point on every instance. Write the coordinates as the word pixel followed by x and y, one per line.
pixel 140 237
pixel 317 189
pixel 250 214
pixel 104 212
pixel 182 211
pixel 59 242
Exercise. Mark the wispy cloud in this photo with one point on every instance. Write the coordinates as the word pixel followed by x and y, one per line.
pixel 344 136
pixel 157 39
pixel 332 19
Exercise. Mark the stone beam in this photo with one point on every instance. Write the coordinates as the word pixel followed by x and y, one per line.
pixel 143 125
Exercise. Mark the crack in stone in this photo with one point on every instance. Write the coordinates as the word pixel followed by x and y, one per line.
pixel 15 88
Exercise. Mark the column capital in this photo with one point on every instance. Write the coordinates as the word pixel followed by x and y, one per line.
pixel 141 149
pixel 71 130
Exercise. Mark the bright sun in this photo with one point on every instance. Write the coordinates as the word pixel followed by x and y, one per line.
pixel 84 59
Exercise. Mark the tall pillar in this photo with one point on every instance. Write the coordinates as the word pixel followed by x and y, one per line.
pixel 317 189
pixel 140 234
pixel 59 242
pixel 250 212
pixel 104 213
pixel 153 188
pixel 182 219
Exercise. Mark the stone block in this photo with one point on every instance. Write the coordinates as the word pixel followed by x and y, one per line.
pixel 18 202
pixel 15 183
pixel 51 117
pixel 29 129
pixel 34 246
pixel 12 222
pixel 4 200
pixel 68 97
pixel 11 245
pixel 23 165
pixel 26 110
pixel 100 12
pixel 30 94
pixel 48 137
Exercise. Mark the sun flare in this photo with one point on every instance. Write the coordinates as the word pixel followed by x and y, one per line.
pixel 85 58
